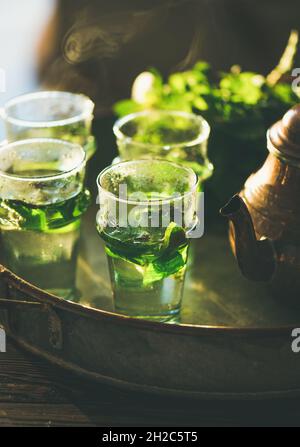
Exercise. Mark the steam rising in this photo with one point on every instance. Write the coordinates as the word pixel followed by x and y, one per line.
pixel 105 38
pixel 193 52
pixel 96 37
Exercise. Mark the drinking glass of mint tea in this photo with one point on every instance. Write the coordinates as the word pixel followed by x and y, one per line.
pixel 176 136
pixel 61 115
pixel 147 209
pixel 42 200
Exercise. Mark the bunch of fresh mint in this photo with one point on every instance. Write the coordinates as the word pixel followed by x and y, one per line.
pixel 239 105
pixel 225 99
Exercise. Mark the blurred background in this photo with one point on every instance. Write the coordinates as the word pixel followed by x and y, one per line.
pixel 98 47
pixel 22 25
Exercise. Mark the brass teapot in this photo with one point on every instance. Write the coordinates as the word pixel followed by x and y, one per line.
pixel 265 216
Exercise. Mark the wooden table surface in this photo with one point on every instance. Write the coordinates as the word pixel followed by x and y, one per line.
pixel 34 393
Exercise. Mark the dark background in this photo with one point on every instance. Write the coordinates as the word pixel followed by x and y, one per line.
pixel 99 46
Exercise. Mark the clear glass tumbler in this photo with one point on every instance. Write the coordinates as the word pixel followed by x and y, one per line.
pixel 176 136
pixel 51 114
pixel 147 208
pixel 42 200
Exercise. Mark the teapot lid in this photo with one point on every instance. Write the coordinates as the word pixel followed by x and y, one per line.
pixel 284 136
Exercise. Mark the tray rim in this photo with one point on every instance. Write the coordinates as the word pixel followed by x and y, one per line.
pixel 180 328
pixel 124 385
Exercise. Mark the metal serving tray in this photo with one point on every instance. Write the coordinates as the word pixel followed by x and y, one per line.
pixel 234 340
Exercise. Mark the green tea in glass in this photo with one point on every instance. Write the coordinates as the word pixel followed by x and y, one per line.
pixel 42 200
pixel 147 209
pixel 51 114
pixel 176 136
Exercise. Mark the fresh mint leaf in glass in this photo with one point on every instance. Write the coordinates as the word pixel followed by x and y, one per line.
pixel 175 136
pixel 147 208
pixel 42 200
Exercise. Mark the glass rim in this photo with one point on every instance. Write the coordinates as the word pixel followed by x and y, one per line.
pixel 87 112
pixel 164 200
pixel 23 178
pixel 203 136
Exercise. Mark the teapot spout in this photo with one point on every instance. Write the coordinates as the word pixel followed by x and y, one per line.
pixel 256 258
